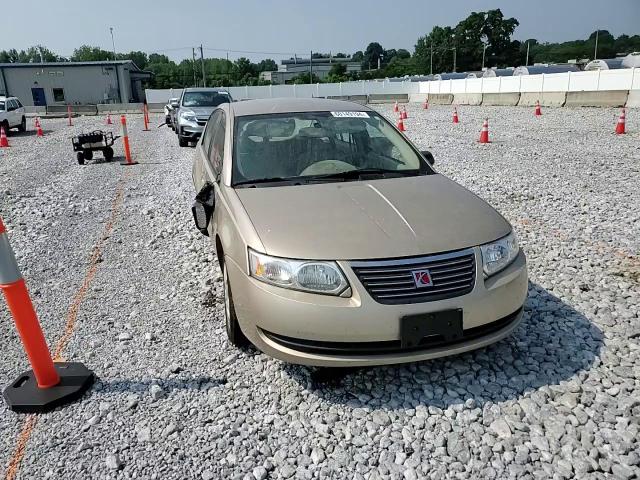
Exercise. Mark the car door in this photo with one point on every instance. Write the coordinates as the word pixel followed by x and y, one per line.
pixel 213 166
pixel 19 111
pixel 11 113
pixel 201 165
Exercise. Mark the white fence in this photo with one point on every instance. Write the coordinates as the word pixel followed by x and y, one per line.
pixel 622 79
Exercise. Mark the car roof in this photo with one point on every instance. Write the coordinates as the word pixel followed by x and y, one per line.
pixel 205 89
pixel 294 105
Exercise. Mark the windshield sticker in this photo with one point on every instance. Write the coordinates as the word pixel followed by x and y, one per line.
pixel 350 114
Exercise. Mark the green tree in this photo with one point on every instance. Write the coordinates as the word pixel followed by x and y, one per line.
pixel 139 58
pixel 440 41
pixel 267 65
pixel 303 79
pixel 373 52
pixel 87 53
pixel 338 73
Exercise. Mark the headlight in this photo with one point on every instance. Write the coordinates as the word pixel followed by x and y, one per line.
pixel 308 276
pixel 498 255
pixel 189 116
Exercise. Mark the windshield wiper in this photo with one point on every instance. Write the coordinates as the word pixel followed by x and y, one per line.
pixel 358 173
pixel 265 180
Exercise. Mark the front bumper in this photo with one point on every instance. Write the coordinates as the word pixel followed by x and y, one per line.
pixel 191 130
pixel 310 329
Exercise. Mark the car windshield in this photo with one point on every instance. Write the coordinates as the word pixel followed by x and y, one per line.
pixel 204 99
pixel 316 145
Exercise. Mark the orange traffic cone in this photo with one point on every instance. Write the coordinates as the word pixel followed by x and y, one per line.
pixel 621 125
pixel 401 124
pixel 4 141
pixel 109 122
pixel 395 107
pixel 455 115
pixel 404 113
pixel 36 122
pixel 538 109
pixel 425 105
pixel 39 131
pixel 484 133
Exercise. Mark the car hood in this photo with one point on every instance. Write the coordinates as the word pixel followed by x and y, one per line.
pixel 385 218
pixel 200 111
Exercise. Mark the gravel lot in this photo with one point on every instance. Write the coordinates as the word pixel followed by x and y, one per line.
pixel 559 399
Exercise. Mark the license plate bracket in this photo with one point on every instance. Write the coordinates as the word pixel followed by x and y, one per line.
pixel 447 323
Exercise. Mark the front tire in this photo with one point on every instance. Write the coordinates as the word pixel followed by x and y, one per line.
pixel 234 333
pixel 23 125
pixel 80 157
pixel 183 142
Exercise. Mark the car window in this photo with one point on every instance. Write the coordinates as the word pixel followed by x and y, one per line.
pixel 11 105
pixel 205 99
pixel 216 150
pixel 18 104
pixel 298 145
pixel 2 105
pixel 207 136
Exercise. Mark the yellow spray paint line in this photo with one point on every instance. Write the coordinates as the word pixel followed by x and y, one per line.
pixel 31 421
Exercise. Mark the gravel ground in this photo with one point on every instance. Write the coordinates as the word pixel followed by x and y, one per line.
pixel 558 399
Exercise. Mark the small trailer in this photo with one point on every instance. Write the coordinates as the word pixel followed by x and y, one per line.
pixel 87 143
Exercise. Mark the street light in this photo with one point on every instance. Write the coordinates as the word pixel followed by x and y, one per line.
pixel 484 49
pixel 113 43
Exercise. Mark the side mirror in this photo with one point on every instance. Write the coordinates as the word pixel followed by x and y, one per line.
pixel 174 104
pixel 428 156
pixel 203 207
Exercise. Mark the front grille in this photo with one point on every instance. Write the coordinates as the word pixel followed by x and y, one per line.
pixel 392 282
pixel 202 122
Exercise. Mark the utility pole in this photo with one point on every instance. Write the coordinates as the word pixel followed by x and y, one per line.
pixel 484 50
pixel 595 52
pixel 431 61
pixel 526 63
pixel 311 67
pixel 455 53
pixel 227 69
pixel 204 80
pixel 113 43
pixel 193 66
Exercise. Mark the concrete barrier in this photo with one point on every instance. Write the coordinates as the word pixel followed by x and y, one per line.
pixel 633 100
pixel 156 107
pixel 120 108
pixel 467 98
pixel 546 99
pixel 603 98
pixel 418 97
pixel 389 98
pixel 75 109
pixel 362 99
pixel 501 99
pixel 29 110
pixel 440 98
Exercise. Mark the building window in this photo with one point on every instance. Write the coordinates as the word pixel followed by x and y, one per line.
pixel 58 94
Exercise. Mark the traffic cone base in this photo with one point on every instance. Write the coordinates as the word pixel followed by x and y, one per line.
pixel 401 125
pixel 24 395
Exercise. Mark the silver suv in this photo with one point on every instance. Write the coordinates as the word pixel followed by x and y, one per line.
pixel 194 109
pixel 12 114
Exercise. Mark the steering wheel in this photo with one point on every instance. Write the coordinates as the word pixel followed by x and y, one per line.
pixel 326 167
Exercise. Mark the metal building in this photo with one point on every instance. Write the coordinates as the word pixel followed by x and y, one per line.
pixel 75 83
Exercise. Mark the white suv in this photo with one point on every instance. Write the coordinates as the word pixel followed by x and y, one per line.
pixel 12 114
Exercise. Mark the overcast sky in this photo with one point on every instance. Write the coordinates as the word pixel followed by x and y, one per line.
pixel 288 26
